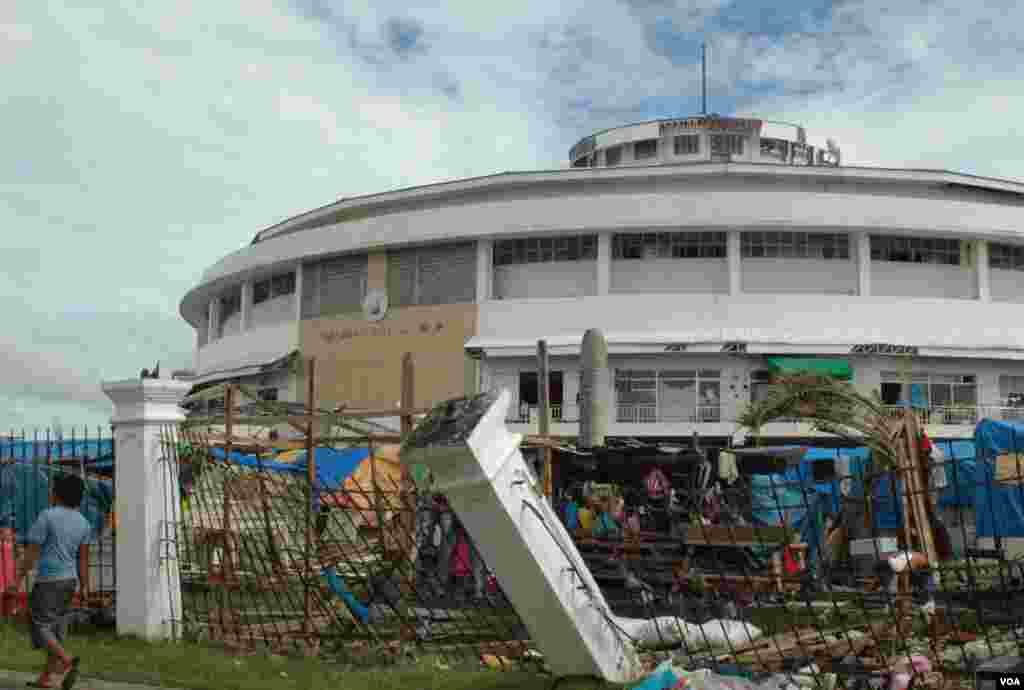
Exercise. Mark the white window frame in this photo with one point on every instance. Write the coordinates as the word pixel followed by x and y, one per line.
pixel 669 245
pixel 686 144
pixel 918 250
pixel 1007 257
pixel 795 245
pixel 531 250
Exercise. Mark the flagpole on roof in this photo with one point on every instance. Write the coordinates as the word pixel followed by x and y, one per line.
pixel 703 79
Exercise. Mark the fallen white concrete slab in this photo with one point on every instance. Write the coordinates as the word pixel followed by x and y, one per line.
pixel 477 464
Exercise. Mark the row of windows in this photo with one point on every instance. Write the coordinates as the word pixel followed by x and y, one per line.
pixel 683 145
pixel 543 249
pixel 670 245
pixel 798 245
pixel 276 286
pixel 230 304
pixel 916 250
pixel 1006 257
pixel 727 143
pixel 337 285
pixel 443 274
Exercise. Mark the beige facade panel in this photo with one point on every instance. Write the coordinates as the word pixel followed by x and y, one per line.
pixel 377 271
pixel 359 362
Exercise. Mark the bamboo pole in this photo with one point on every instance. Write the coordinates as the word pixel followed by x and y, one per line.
pixel 311 481
pixel 408 395
pixel 919 495
pixel 407 403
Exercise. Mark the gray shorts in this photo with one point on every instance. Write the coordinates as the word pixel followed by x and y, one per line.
pixel 49 604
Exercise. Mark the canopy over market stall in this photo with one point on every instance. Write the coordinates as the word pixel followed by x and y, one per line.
pixel 999 489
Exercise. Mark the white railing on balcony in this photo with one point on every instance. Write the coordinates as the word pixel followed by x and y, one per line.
pixel 961 415
pixel 649 414
pixel 528 414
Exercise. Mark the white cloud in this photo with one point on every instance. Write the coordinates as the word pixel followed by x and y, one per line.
pixel 145 144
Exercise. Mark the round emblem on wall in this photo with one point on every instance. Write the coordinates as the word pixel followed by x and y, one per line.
pixel 375 305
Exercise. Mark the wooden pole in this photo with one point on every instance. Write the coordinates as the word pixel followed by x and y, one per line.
pixel 311 480
pixel 405 487
pixel 408 392
pixel 544 410
pixel 227 558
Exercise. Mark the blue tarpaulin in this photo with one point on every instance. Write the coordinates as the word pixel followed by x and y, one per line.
pixel 333 466
pixel 887 506
pixel 791 498
pixel 25 492
pixel 999 505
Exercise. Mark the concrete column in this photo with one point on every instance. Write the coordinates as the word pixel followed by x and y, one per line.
pixel 147 502
pixel 245 317
pixel 604 262
pixel 981 272
pixel 863 253
pixel 298 292
pixel 484 269
pixel 734 256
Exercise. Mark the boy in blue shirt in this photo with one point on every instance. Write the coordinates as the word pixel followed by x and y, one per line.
pixel 53 544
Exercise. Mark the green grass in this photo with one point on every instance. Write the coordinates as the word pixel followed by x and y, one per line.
pixel 201 667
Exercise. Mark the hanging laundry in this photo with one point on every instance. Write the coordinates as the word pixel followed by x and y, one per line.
pixel 657 484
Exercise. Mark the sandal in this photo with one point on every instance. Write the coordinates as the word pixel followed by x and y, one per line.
pixel 71 675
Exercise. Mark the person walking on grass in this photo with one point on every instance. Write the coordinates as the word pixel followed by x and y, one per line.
pixel 53 544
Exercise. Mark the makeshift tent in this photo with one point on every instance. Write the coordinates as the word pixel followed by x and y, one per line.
pixel 333 466
pixel 790 498
pixel 999 496
pixel 343 476
pixel 960 471
pixel 25 492
pixel 833 368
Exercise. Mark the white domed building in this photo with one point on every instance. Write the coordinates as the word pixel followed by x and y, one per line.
pixel 713 252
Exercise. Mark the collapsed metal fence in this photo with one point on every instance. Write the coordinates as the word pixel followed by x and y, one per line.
pixel 370 567
pixel 29 464
pixel 767 565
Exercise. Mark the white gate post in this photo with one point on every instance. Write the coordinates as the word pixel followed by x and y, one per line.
pixel 148 584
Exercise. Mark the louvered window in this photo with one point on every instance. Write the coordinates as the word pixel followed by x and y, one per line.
pixel 230 312
pixel 333 286
pixel 444 274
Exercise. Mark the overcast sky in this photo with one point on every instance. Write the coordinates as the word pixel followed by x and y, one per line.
pixel 141 145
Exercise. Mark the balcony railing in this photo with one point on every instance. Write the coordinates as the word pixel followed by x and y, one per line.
pixel 649 414
pixel 960 415
pixel 952 415
pixel 528 414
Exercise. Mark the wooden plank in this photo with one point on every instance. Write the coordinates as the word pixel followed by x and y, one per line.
pixel 737 536
pixel 783 640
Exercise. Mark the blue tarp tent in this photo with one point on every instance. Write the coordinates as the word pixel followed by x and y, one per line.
pixel 999 505
pixel 333 466
pixel 25 492
pixel 792 498
pixel 961 473
pixel 887 506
